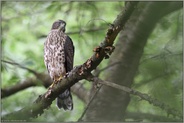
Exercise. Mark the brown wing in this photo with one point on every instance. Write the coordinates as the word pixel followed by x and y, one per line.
pixel 69 54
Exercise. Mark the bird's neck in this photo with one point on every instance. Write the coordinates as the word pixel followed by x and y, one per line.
pixel 60 30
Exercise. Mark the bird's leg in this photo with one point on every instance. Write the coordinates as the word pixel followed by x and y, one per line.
pixel 51 86
pixel 53 83
pixel 56 81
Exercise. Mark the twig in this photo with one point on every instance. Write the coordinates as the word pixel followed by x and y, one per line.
pixel 87 106
pixel 14 63
pixel 97 72
pixel 151 117
pixel 79 32
pixel 161 56
pixel 151 79
pixel 143 96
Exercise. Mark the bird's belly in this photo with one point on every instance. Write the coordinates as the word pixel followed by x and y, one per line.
pixel 57 71
pixel 56 65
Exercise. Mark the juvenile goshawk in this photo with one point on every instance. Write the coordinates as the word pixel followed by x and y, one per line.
pixel 58 58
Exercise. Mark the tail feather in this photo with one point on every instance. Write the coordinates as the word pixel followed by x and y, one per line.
pixel 64 100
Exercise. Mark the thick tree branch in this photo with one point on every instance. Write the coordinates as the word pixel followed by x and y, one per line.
pixel 5 92
pixel 78 73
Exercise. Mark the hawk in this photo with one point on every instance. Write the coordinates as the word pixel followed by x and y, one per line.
pixel 58 58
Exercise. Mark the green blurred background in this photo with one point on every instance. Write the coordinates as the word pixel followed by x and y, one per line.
pixel 24 28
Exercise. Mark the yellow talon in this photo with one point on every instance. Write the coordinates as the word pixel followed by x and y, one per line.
pixel 60 78
pixel 51 85
pixel 56 81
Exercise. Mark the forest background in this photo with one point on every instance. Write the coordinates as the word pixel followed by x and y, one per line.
pixel 147 58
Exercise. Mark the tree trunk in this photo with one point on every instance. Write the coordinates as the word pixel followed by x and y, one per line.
pixel 111 104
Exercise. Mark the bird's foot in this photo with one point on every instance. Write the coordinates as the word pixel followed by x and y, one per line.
pixel 52 85
pixel 55 82
pixel 59 79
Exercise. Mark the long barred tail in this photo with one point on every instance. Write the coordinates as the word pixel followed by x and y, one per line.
pixel 64 100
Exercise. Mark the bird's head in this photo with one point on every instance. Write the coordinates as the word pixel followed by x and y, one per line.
pixel 59 24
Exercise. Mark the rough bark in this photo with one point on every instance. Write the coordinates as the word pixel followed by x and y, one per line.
pixel 110 104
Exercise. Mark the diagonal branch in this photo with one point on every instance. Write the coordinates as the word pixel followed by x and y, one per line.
pixel 98 71
pixel 143 96
pixel 79 72
pixel 90 101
